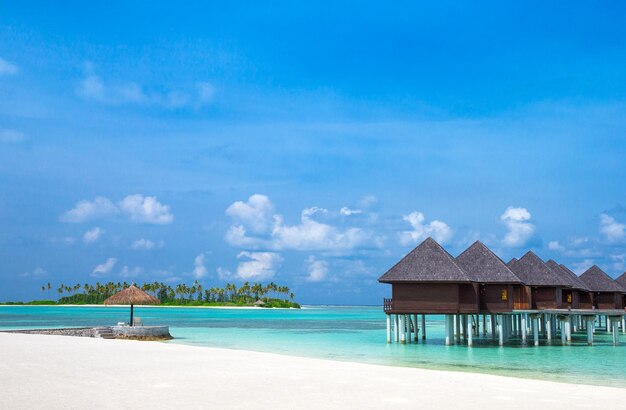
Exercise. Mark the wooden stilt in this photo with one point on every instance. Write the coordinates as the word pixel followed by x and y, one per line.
pixel 492 319
pixel 423 327
pixel 454 326
pixel 500 331
pixel 536 330
pixel 402 329
pixel 388 328
pixel 589 324
pixel 416 329
pixel 448 326
pixel 524 327
pixel 396 328
pixel 615 323
pixel 407 328
pixel 484 325
pixel 548 325
pixel 470 320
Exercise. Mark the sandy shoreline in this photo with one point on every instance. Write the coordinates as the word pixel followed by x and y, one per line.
pixel 70 372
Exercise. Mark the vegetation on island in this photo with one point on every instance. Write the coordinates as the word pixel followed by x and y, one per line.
pixel 269 295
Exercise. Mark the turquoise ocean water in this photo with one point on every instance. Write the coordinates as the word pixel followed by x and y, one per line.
pixel 346 333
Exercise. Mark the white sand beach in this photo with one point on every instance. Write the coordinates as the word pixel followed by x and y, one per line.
pixel 62 372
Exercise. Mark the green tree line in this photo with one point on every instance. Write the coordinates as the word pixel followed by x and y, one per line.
pixel 181 294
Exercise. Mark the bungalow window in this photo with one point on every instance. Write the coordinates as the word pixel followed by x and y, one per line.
pixel 504 295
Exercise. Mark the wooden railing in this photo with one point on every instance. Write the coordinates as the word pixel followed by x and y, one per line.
pixel 387 304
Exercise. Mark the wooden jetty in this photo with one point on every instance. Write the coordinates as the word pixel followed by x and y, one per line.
pixel 526 299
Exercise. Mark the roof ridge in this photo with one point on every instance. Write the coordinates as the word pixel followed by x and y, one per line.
pixel 427 262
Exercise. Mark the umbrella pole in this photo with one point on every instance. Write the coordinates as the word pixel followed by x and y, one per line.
pixel 131 314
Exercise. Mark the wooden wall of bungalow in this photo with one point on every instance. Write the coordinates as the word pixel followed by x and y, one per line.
pixel 575 299
pixel 434 298
pixel 502 298
pixel 547 297
pixel 607 300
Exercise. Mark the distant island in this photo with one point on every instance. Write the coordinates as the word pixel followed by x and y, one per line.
pixel 270 295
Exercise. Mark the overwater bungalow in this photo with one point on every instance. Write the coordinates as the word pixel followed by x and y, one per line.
pixel 571 295
pixel 546 286
pixel 500 290
pixel 607 294
pixel 428 280
pixel 584 294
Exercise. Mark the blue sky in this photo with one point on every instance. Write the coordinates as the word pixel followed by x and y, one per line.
pixel 309 145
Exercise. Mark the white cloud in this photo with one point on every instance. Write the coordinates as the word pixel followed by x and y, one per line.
pixel 256 226
pixel 92 87
pixel 612 230
pixel 11 136
pixel 7 68
pixel 199 270
pixel 137 207
pixel 439 230
pixel 256 213
pixel 146 209
pixel 104 268
pixel 556 246
pixel 92 235
pixel 577 247
pixel 580 267
pixel 206 93
pixel 318 269
pixel 345 211
pixel 37 273
pixel 368 201
pixel 127 272
pixel 619 262
pixel 224 274
pixel 146 244
pixel 313 235
pixel 88 210
pixel 64 241
pixel 258 266
pixel 520 230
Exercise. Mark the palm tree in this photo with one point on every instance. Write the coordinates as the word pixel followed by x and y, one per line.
pixel 257 289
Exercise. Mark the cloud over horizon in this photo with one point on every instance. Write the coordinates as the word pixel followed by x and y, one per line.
pixel 138 208
pixel 439 230
pixel 520 230
pixel 93 87
pixel 257 226
pixel 104 268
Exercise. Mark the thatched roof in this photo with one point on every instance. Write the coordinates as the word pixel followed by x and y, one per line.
pixel 259 303
pixel 534 272
pixel 428 262
pixel 598 281
pixel 484 266
pixel 132 296
pixel 622 281
pixel 513 260
pixel 570 278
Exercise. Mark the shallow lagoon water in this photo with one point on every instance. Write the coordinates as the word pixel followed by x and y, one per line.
pixel 346 333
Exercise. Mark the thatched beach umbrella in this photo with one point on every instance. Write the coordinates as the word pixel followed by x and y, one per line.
pixel 132 296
